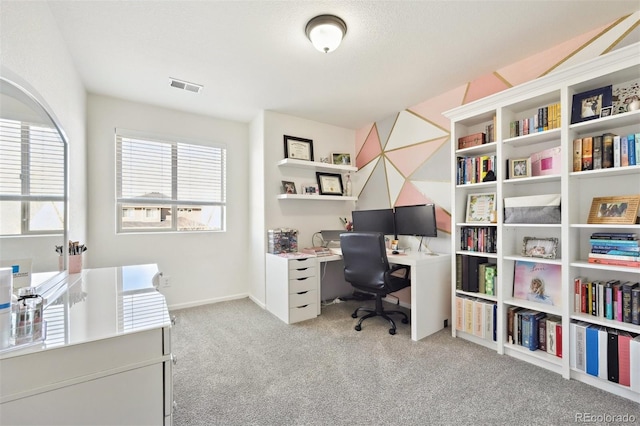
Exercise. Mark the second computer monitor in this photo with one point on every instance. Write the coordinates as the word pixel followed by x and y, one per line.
pixel 373 221
pixel 416 220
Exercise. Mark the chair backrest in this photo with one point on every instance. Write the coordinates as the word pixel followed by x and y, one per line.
pixel 365 259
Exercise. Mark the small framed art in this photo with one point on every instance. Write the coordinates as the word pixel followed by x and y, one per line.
pixel 298 148
pixel 481 208
pixel 288 187
pixel 620 209
pixel 544 248
pixel 341 158
pixel 329 183
pixel 519 168
pixel 588 105
pixel 606 111
pixel 537 282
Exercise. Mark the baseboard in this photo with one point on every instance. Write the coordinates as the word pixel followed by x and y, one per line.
pixel 209 301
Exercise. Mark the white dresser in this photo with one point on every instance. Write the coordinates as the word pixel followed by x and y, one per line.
pixel 292 287
pixel 106 358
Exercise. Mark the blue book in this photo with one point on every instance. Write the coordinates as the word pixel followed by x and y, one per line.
pixel 632 149
pixel 592 350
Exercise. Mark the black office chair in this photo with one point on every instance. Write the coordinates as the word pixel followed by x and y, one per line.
pixel 367 268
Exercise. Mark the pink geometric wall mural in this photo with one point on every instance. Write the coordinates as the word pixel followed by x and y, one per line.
pixel 361 136
pixel 410 158
pixel 370 149
pixel 431 109
pixel 484 86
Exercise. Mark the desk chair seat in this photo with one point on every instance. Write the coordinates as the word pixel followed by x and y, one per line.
pixel 367 268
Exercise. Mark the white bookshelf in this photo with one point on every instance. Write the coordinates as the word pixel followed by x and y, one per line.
pixel 577 189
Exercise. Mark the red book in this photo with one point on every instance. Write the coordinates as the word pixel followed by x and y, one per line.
pixel 584 297
pixel 628 263
pixel 559 340
pixel 624 357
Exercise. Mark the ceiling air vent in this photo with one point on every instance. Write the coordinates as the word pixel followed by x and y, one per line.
pixel 185 85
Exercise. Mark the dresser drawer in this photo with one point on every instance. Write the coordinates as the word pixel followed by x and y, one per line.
pixel 303 284
pixel 306 262
pixel 303 313
pixel 295 274
pixel 303 298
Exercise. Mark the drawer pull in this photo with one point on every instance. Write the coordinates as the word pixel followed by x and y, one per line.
pixel 301 269
pixel 302 279
pixel 303 292
pixel 303 306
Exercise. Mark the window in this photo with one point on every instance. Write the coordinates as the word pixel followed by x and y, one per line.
pixel 32 182
pixel 165 185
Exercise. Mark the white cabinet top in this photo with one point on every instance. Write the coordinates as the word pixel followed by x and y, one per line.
pixel 99 304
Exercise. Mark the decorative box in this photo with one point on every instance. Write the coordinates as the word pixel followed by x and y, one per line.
pixel 282 240
pixel 547 162
pixel 471 140
pixel 532 209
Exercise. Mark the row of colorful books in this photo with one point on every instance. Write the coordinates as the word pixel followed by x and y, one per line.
pixel 477 317
pixel 479 238
pixel 605 151
pixel 475 274
pixel 546 118
pixel 615 248
pixel 474 169
pixel 607 353
pixel 611 299
pixel 534 330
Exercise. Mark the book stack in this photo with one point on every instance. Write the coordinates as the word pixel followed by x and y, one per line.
pixel 474 169
pixel 478 238
pixel 607 353
pixel 476 317
pixel 476 275
pixel 534 330
pixel 546 118
pixel 605 151
pixel 615 248
pixel 608 299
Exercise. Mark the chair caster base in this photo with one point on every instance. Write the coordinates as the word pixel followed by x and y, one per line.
pixel 354 315
pixel 357 327
pixel 405 321
pixel 392 331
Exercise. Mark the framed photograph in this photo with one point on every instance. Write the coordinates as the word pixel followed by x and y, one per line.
pixel 329 183
pixel 341 158
pixel 606 111
pixel 624 94
pixel 537 282
pixel 544 248
pixel 481 208
pixel 288 187
pixel 587 105
pixel 621 209
pixel 298 148
pixel 519 168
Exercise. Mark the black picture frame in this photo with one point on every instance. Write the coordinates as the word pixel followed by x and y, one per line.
pixel 587 105
pixel 329 183
pixel 298 148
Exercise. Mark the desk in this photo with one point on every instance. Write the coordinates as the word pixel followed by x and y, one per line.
pixel 430 289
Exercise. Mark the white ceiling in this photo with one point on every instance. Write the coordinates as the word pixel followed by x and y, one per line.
pixel 254 55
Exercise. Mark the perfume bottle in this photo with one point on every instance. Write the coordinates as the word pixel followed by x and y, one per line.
pixel 347 187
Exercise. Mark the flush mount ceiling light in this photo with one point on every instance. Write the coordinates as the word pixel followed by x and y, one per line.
pixel 326 32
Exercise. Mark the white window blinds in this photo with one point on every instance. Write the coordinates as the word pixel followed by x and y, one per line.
pixel 169 185
pixel 32 178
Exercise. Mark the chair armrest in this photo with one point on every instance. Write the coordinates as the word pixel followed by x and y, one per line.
pixel 403 269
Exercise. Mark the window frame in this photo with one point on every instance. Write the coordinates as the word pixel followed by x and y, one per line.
pixel 172 203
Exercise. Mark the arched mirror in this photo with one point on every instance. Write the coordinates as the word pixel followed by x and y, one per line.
pixel 33 184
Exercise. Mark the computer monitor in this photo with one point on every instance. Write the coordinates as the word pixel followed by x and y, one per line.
pixel 417 220
pixel 373 221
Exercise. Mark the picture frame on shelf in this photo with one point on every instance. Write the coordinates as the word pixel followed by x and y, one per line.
pixel 614 210
pixel 606 111
pixel 544 248
pixel 587 105
pixel 624 94
pixel 481 208
pixel 341 158
pixel 329 183
pixel 298 148
pixel 288 187
pixel 538 282
pixel 519 168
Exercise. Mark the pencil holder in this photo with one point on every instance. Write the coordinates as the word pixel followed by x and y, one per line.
pixel 75 263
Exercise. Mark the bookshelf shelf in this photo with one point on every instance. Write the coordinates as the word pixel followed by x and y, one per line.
pixel 577 189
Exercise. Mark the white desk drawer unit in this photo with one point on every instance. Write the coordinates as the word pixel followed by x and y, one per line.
pixel 292 288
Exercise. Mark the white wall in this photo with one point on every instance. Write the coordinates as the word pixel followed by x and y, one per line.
pixel 32 48
pixel 257 228
pixel 203 267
